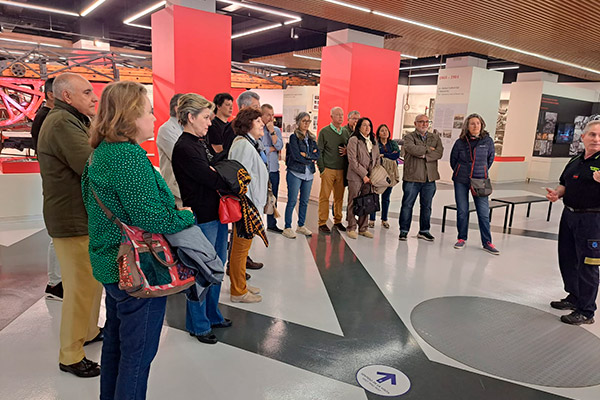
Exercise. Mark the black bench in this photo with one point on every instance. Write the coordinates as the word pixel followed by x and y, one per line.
pixel 493 204
pixel 512 201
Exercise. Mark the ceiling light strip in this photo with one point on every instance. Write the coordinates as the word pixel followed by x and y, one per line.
pixel 92 7
pixel 422 75
pixel 261 9
pixel 131 55
pixel 253 31
pixel 29 42
pixel 139 26
pixel 268 65
pixel 504 68
pixel 39 8
pixel 527 53
pixel 307 57
pixel 422 66
pixel 144 12
pixel 407 56
pixel 341 3
pixel 293 21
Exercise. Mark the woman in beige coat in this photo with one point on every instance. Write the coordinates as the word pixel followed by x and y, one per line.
pixel 363 153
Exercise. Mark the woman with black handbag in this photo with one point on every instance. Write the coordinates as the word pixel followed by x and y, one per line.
pixel 363 154
pixel 199 184
pixel 471 158
pixel 126 182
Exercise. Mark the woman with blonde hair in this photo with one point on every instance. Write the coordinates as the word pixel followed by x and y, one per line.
pixel 199 184
pixel 300 160
pixel 121 175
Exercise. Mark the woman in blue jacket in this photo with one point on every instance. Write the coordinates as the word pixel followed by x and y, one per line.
pixel 472 156
pixel 301 155
pixel 387 149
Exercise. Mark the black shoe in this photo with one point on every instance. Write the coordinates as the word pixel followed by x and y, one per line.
pixel 340 227
pixel 563 304
pixel 403 236
pixel 576 318
pixel 248 276
pixel 54 292
pixel 99 337
pixel 225 324
pixel 426 235
pixel 83 369
pixel 275 229
pixel 253 264
pixel 209 338
pixel 324 229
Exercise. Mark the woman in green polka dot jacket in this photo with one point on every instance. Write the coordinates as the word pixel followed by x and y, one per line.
pixel 126 182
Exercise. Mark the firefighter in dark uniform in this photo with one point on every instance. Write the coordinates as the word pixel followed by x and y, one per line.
pixel 579 232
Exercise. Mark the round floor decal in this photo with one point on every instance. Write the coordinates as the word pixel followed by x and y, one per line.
pixel 383 380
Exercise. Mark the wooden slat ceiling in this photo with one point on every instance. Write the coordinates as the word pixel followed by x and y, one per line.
pixel 567 30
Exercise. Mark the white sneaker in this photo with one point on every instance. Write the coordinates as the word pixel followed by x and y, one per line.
pixel 289 233
pixel 247 298
pixel 352 234
pixel 303 231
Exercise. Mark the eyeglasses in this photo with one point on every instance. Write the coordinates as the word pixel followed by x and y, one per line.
pixel 423 122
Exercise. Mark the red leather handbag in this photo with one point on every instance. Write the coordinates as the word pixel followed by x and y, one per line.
pixel 230 209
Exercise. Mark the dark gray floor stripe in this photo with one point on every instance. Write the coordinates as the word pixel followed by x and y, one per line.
pixel 373 334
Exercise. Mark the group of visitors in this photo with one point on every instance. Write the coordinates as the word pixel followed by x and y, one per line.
pixel 90 155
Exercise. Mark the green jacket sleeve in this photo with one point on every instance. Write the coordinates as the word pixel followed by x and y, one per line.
pixel 138 190
pixel 434 155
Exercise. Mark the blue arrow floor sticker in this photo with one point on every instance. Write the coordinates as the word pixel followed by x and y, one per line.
pixel 383 380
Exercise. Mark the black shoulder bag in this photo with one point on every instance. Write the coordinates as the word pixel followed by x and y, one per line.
pixel 480 187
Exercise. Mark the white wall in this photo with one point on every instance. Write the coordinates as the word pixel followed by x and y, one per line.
pixel 273 97
pixel 21 195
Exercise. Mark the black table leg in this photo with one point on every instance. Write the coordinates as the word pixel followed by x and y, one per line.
pixel 512 213
pixel 444 219
pixel 549 211
pixel 491 209
pixel 505 217
pixel 528 209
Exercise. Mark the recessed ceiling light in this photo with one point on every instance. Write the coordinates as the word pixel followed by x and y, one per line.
pixel 341 3
pixel 253 31
pixel 421 75
pixel 29 42
pixel 39 8
pixel 266 64
pixel 92 7
pixel 422 66
pixel 261 9
pixel 307 57
pixel 504 68
pixel 148 10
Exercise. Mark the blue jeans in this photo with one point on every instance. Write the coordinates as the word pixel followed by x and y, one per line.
pixel 274 179
pixel 482 206
pixel 385 205
pixel 199 316
pixel 296 185
pixel 425 191
pixel 131 336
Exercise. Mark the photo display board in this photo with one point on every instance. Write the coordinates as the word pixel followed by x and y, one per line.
pixel 560 125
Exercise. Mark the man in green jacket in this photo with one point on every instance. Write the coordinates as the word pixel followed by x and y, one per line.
pixel 332 145
pixel 421 150
pixel 63 150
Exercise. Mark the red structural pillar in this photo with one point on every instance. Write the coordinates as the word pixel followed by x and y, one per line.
pixel 191 52
pixel 359 77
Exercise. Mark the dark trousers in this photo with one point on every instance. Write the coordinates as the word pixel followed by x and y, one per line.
pixel 274 178
pixel 131 336
pixel 385 205
pixel 425 191
pixel 579 257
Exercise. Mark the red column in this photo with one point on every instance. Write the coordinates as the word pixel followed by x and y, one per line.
pixel 191 52
pixel 359 77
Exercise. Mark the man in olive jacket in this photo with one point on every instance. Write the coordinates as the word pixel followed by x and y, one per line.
pixel 421 150
pixel 63 150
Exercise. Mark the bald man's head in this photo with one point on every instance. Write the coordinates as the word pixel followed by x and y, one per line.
pixel 76 91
